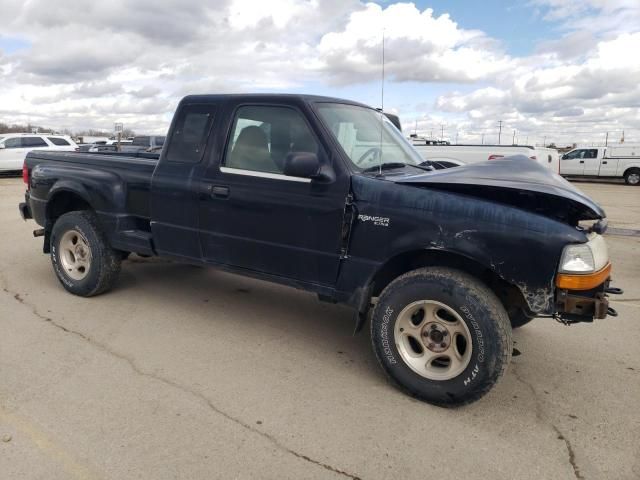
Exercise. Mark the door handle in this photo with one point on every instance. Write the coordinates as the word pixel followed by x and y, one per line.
pixel 604 163
pixel 217 191
pixel 581 161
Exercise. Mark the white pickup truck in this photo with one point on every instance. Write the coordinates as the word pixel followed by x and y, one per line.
pixel 619 161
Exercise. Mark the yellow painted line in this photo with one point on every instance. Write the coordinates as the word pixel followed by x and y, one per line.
pixel 46 446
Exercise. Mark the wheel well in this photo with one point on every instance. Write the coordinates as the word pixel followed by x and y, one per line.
pixel 509 294
pixel 58 205
pixel 629 170
pixel 64 202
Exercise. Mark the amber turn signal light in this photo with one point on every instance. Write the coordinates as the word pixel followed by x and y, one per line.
pixel 584 281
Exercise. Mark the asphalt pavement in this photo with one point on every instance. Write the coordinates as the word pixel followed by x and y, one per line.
pixel 190 373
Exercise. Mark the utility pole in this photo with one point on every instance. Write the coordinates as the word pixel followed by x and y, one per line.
pixel 513 140
pixel 606 140
pixel 483 139
pixel 442 129
pixel 544 141
pixel 499 131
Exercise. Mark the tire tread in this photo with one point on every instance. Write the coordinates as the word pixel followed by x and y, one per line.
pixel 497 312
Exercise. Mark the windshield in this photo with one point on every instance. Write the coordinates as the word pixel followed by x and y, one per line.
pixel 368 138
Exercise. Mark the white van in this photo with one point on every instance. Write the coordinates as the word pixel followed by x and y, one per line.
pixel 15 146
pixel 463 154
pixel 614 162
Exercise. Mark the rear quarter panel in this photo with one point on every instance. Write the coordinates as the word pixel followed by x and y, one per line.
pixel 114 187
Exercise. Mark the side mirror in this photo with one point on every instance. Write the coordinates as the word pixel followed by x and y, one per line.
pixel 564 157
pixel 302 164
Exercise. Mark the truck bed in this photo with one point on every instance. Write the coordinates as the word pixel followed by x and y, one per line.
pixel 117 186
pixel 131 174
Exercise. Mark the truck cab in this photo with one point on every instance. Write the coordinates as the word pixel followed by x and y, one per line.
pixel 582 161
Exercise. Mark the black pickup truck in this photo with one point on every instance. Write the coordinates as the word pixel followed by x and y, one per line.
pixel 327 196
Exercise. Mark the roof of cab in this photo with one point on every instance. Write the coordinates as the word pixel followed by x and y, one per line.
pixel 273 97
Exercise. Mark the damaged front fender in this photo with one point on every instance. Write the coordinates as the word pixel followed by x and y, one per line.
pixel 519 246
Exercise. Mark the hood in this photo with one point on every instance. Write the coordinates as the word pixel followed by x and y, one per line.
pixel 517 181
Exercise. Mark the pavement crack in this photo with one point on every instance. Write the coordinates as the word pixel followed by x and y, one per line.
pixel 185 389
pixel 543 417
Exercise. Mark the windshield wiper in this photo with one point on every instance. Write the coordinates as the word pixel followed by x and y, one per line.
pixel 385 166
pixel 426 165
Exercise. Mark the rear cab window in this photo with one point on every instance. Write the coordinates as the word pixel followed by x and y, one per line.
pixel 190 134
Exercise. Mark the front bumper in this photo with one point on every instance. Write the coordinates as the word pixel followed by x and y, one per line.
pixel 574 306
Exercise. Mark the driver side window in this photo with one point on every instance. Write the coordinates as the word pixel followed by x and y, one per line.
pixel 574 154
pixel 262 137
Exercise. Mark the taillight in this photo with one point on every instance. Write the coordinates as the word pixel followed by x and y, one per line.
pixel 25 174
pixel 493 157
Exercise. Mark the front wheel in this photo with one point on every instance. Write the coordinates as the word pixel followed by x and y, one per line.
pixel 82 259
pixel 441 335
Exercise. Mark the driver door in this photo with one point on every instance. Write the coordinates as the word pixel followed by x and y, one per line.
pixel 572 163
pixel 256 218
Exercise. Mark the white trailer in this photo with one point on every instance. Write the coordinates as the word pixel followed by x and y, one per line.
pixel 463 154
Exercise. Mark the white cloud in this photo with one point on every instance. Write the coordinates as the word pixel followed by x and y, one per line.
pixel 418 47
pixel 88 66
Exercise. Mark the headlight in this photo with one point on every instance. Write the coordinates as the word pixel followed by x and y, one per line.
pixel 577 259
pixel 585 257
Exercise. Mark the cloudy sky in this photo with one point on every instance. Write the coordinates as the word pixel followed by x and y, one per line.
pixel 560 70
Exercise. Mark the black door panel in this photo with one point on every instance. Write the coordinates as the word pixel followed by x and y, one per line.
pixel 268 222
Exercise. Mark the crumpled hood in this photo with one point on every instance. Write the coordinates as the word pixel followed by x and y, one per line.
pixel 512 180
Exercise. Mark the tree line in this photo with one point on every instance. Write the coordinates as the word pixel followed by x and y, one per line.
pixel 28 128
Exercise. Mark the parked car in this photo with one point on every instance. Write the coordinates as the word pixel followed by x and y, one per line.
pixel 326 195
pixel 15 146
pixel 146 143
pixel 613 162
pixel 464 154
pixel 110 145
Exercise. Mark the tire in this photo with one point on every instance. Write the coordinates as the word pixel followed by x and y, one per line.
pixel 82 259
pixel 457 303
pixel 518 318
pixel 632 177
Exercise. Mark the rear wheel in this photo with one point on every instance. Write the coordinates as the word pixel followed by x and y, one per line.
pixel 632 177
pixel 82 259
pixel 441 335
